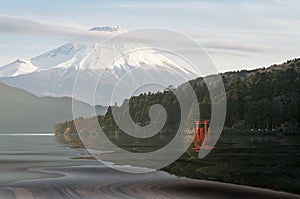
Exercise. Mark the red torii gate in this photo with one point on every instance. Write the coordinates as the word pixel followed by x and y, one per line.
pixel 201 133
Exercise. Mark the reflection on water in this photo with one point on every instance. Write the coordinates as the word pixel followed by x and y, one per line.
pixel 125 142
pixel 21 152
pixel 268 161
pixel 262 160
pixel 105 151
pixel 72 141
pixel 60 168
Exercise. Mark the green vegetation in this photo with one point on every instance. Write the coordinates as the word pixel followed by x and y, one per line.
pixel 266 98
pixel 258 99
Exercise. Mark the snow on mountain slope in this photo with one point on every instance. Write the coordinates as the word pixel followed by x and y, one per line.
pixel 18 67
pixel 53 73
pixel 56 56
pixel 113 29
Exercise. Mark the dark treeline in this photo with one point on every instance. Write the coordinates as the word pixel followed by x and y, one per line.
pixel 265 99
pixel 262 98
pixel 259 99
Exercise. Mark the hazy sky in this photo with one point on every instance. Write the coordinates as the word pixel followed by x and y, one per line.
pixel 236 34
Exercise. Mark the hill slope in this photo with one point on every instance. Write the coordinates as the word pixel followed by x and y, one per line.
pixel 24 112
pixel 261 98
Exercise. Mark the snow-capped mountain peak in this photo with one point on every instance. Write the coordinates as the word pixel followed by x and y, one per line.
pixel 56 56
pixel 18 67
pixel 54 72
pixel 112 29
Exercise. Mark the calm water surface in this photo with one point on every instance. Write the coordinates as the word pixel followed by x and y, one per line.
pixel 42 166
pixel 21 153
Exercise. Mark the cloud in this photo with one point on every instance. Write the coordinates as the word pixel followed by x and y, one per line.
pixel 18 26
pixel 190 4
pixel 237 46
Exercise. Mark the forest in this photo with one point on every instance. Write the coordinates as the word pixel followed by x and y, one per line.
pixel 265 98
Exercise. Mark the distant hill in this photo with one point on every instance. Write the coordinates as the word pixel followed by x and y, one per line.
pixel 22 111
pixel 233 75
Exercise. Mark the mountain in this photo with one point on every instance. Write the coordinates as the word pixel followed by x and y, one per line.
pixel 53 73
pixel 16 68
pixel 22 111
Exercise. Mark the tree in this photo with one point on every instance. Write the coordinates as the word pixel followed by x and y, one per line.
pixel 294 111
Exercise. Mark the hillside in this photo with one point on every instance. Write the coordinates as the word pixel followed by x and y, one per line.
pixel 260 98
pixel 24 112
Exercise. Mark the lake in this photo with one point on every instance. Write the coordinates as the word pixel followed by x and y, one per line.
pixel 45 166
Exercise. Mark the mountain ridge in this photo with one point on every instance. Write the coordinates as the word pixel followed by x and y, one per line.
pixel 56 71
pixel 22 111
